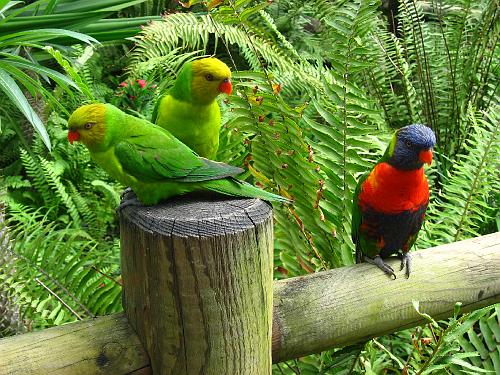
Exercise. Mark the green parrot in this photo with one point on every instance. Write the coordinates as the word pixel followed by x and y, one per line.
pixel 189 110
pixel 149 159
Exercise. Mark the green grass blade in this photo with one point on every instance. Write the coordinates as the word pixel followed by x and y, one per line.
pixel 61 79
pixel 14 93
pixel 44 34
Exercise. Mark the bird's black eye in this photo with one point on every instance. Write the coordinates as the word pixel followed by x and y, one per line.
pixel 209 77
pixel 408 144
pixel 88 125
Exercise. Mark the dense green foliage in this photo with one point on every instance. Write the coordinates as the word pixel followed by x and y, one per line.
pixel 26 30
pixel 319 86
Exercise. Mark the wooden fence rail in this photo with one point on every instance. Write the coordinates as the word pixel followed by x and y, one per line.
pixel 352 304
pixel 198 289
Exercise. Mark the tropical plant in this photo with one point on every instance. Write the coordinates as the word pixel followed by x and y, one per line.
pixel 319 85
pixel 10 322
pixel 59 273
pixel 61 218
pixel 94 18
pixel 138 97
pixel 25 30
pixel 314 137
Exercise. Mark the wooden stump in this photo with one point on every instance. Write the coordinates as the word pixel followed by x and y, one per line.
pixel 197 281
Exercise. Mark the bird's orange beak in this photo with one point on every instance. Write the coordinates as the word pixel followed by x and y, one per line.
pixel 226 86
pixel 73 135
pixel 425 156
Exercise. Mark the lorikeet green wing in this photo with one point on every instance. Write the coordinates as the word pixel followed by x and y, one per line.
pixel 356 217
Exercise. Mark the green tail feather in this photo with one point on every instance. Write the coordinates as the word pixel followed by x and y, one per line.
pixel 230 186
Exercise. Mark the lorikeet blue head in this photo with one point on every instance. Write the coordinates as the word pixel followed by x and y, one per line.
pixel 411 147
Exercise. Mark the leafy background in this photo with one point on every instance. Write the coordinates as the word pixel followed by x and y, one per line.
pixel 319 87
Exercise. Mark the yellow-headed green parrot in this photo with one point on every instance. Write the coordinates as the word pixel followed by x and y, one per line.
pixel 390 201
pixel 149 159
pixel 189 110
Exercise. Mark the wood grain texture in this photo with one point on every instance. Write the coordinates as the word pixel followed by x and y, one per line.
pixel 351 304
pixel 197 276
pixel 105 345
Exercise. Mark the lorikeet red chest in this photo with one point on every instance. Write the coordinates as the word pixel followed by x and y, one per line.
pixel 391 191
pixel 392 204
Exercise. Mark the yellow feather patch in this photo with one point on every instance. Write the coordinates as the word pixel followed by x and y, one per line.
pixel 89 112
pixel 93 114
pixel 213 66
pixel 208 74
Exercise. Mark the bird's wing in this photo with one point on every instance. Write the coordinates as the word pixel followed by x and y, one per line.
pixel 415 226
pixel 356 218
pixel 151 153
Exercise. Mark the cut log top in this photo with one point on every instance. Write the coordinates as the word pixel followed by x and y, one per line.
pixel 201 215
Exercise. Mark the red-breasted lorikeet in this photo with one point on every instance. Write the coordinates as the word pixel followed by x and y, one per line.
pixel 390 201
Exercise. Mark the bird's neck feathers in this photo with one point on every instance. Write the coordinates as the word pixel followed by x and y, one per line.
pixel 181 90
pixel 202 92
pixel 391 190
pixel 389 151
pixel 96 139
pixel 105 134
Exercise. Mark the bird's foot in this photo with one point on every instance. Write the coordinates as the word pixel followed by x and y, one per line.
pixel 128 200
pixel 377 260
pixel 406 260
pixel 125 193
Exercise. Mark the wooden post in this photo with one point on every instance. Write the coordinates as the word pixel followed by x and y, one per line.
pixel 197 281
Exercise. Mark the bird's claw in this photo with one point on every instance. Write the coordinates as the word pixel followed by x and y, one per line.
pixel 128 201
pixel 125 192
pixel 377 260
pixel 406 261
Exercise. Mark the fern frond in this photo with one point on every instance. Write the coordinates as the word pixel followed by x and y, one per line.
pixel 416 38
pixel 463 206
pixel 53 279
pixel 89 217
pixel 35 170
pixel 55 183
pixel 193 32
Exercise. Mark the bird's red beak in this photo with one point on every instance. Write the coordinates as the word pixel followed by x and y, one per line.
pixel 425 156
pixel 226 86
pixel 73 135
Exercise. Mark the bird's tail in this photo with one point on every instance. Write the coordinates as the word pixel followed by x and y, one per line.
pixel 231 186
